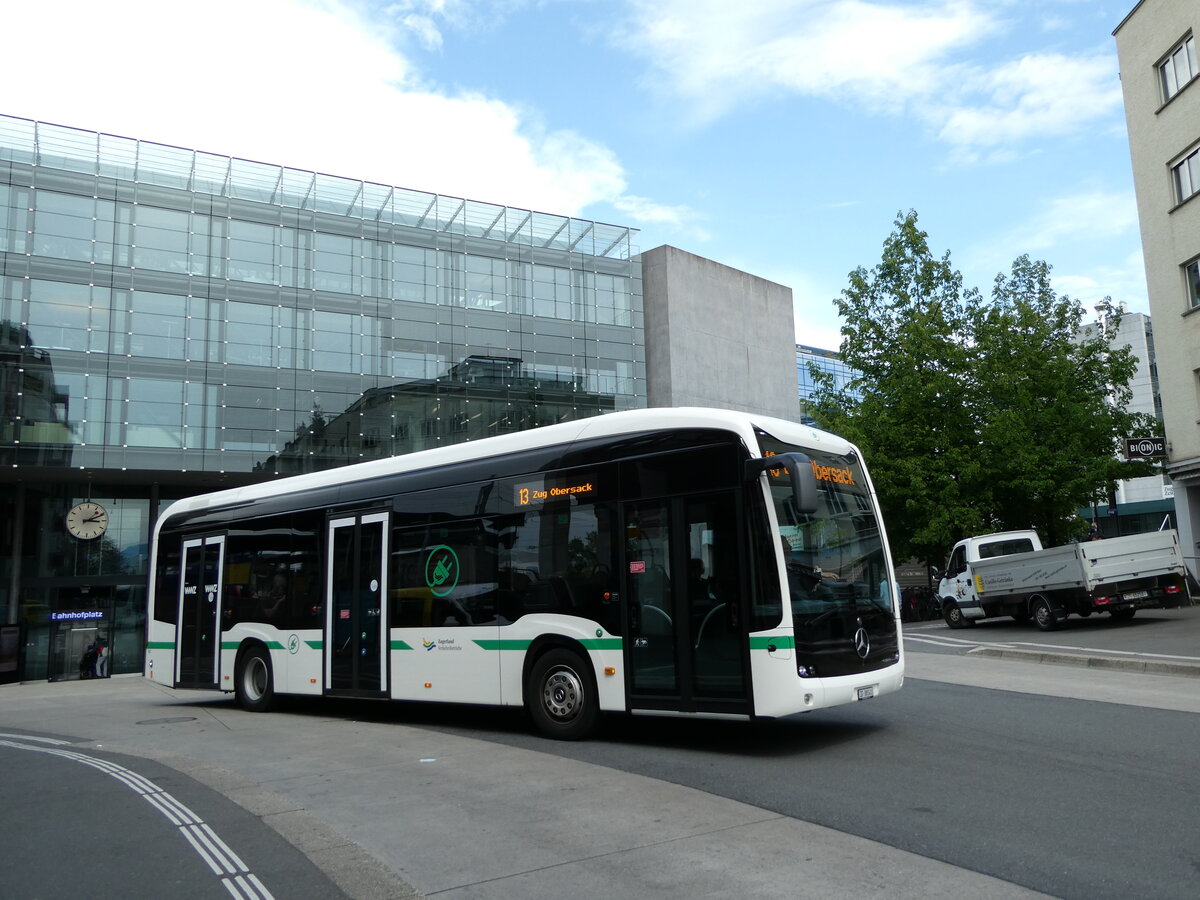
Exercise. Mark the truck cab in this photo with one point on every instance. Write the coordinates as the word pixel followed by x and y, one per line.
pixel 956 582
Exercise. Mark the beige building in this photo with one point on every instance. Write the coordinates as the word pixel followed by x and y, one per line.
pixel 1156 47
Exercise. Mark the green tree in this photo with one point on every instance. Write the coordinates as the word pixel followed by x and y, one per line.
pixel 1050 408
pixel 974 415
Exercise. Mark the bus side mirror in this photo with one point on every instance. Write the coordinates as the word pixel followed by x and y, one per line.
pixel 799 472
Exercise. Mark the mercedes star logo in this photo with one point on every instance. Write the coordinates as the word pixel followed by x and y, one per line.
pixel 862 642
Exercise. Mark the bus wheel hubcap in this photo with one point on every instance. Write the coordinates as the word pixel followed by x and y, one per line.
pixel 256 678
pixel 562 693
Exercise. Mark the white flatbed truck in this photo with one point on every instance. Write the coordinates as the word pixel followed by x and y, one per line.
pixel 1009 574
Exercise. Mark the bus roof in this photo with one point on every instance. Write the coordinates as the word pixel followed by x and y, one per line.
pixel 612 424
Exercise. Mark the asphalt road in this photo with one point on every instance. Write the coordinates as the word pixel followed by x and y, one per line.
pixel 83 823
pixel 1166 635
pixel 983 777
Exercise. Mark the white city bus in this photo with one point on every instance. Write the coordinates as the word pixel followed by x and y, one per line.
pixel 685 562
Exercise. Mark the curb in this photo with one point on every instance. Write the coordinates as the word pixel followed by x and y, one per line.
pixel 1091 661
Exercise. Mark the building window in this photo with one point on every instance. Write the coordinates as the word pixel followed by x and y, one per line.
pixel 1178 68
pixel 1191 273
pixel 1186 175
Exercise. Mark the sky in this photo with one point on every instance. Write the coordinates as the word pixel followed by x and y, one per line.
pixel 780 137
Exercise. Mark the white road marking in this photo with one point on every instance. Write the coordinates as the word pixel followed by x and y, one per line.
pixel 235 875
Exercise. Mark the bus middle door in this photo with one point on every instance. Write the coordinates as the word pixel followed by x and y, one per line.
pixel 686 605
pixel 356 632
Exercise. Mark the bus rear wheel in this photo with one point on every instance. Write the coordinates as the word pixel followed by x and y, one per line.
pixel 561 696
pixel 254 682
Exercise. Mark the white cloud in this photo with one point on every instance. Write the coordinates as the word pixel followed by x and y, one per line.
pixel 897 58
pixel 1038 95
pixel 718 53
pixel 1077 218
pixel 312 84
pixel 1122 280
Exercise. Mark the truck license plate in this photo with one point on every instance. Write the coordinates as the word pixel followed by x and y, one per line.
pixel 866 693
pixel 1135 595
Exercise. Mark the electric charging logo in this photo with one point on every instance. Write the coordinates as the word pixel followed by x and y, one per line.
pixel 441 570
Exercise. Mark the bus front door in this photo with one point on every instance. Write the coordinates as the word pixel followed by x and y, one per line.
pixel 197 662
pixel 686 605
pixel 356 632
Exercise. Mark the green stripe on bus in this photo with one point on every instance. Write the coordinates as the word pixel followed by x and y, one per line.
pixel 399 645
pixel 233 645
pixel 504 645
pixel 781 642
pixel 160 645
pixel 602 643
pixel 589 643
pixel 316 645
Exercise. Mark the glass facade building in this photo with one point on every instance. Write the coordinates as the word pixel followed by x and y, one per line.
pixel 174 321
pixel 828 361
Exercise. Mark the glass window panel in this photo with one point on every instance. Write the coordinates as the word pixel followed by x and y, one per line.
pixel 64 226
pixel 14 218
pixel 160 260
pixel 60 315
pixel 251 345
pixel 163 238
pixel 252 252
pixel 1186 172
pixel 153 413
pixel 66 204
pixel 1169 83
pixel 156 217
pixel 1182 73
pixel 1192 275
pixel 158 324
pixel 335 342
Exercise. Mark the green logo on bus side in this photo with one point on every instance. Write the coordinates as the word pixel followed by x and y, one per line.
pixel 441 570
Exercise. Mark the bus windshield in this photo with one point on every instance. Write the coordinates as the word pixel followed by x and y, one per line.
pixel 834 556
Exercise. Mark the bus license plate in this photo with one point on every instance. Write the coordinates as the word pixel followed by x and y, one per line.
pixel 1135 595
pixel 866 693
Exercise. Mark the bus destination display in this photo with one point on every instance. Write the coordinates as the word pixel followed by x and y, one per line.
pixel 535 493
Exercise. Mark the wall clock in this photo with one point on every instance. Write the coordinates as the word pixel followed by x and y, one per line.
pixel 87 520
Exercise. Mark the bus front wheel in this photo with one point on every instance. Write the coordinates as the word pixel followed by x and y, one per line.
pixel 561 696
pixel 254 682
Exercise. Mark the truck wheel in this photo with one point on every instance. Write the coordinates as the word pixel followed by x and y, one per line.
pixel 1043 614
pixel 561 696
pixel 1124 615
pixel 254 682
pixel 953 615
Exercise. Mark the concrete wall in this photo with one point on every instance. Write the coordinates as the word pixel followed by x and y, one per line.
pixel 724 339
pixel 1159 134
